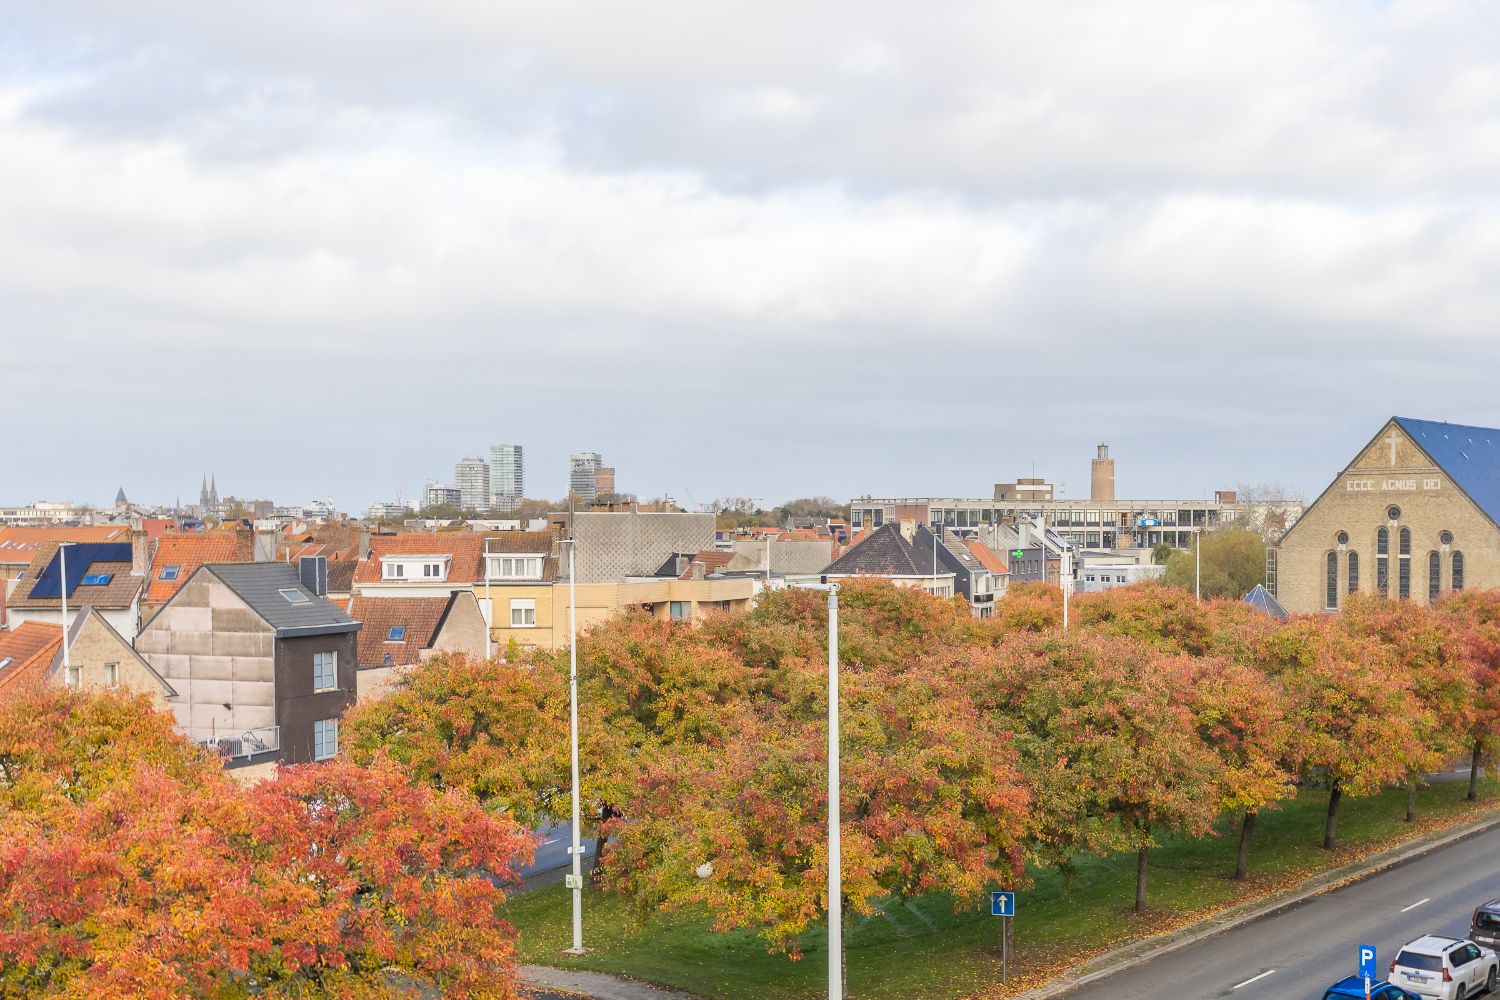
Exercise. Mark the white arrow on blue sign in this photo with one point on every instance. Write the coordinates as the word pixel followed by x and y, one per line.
pixel 1002 904
pixel 1367 961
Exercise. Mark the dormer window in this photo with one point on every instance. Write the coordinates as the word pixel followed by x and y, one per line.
pixel 515 566
pixel 428 569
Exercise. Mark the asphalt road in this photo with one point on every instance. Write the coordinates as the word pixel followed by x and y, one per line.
pixel 1298 952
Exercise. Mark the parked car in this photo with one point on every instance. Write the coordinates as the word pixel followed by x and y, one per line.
pixel 1444 967
pixel 1354 987
pixel 1484 928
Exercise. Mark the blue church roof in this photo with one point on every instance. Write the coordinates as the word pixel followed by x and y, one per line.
pixel 1469 455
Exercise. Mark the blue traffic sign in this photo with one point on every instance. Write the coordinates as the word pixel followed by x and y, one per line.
pixel 1002 904
pixel 1367 961
pixel 1148 522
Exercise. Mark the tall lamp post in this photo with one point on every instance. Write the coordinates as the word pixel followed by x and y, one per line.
pixel 835 849
pixel 1198 564
pixel 62 590
pixel 575 882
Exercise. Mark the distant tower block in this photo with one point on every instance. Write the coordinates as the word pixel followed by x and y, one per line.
pixel 1102 476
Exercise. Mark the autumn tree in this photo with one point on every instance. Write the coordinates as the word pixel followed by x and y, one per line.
pixel 1350 704
pixel 1430 651
pixel 131 864
pixel 1244 718
pixel 1112 754
pixel 1475 614
pixel 498 730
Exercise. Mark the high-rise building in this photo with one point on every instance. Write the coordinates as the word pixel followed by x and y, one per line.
pixel 442 495
pixel 472 476
pixel 507 477
pixel 583 475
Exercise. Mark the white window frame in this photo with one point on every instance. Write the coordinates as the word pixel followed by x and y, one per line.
pixel 392 570
pixel 687 611
pixel 515 566
pixel 112 675
pixel 330 660
pixel 325 739
pixel 526 607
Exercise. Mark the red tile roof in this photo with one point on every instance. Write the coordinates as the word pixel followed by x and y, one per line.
pixel 30 649
pixel 987 557
pixel 712 559
pixel 464 548
pixel 419 616
pixel 187 551
pixel 19 545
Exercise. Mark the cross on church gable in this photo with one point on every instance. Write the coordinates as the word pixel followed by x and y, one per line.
pixel 1393 439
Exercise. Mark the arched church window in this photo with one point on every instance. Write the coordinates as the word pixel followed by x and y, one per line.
pixel 1403 566
pixel 1434 575
pixel 1333 582
pixel 1458 572
pixel 1353 573
pixel 1382 561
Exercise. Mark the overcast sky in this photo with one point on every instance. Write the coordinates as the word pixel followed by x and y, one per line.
pixel 767 249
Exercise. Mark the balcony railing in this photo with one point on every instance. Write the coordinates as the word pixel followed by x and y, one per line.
pixel 237 745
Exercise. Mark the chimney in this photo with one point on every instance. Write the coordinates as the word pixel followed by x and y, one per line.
pixel 244 543
pixel 1102 476
pixel 908 528
pixel 699 569
pixel 312 573
pixel 364 543
pixel 140 553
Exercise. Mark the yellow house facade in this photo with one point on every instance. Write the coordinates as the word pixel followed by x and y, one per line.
pixel 534 614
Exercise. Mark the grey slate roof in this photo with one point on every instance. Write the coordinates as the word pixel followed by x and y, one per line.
pixel 885 553
pixel 259 584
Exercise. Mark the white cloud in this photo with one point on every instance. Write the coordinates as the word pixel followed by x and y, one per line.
pixel 913 246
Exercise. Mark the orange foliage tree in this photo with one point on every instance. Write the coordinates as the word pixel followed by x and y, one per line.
pixel 131 864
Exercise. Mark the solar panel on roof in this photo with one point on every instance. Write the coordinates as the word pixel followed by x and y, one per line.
pixel 80 556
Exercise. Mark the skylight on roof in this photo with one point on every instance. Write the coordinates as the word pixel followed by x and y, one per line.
pixel 170 572
pixel 97 579
pixel 5 663
pixel 294 596
pixel 396 633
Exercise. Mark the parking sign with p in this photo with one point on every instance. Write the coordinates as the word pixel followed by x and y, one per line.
pixel 1367 962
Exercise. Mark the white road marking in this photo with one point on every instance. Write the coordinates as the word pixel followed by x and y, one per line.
pixel 1253 979
pixel 1417 904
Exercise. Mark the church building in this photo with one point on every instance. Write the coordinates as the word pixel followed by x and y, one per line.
pixel 1416 515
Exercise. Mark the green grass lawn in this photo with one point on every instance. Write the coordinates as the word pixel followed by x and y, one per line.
pixel 923 949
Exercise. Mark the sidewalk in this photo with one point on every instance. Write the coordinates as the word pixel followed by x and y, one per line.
pixel 594 984
pixel 1139 952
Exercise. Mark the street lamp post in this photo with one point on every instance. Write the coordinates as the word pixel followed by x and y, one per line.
pixel 835 843
pixel 576 882
pixel 62 566
pixel 1198 564
pixel 835 872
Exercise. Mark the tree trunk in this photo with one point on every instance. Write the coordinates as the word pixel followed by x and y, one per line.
pixel 1331 826
pixel 1140 880
pixel 1474 770
pixel 1247 828
pixel 1411 800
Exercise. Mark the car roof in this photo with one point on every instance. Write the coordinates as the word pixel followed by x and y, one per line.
pixel 1353 986
pixel 1493 904
pixel 1431 944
